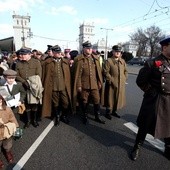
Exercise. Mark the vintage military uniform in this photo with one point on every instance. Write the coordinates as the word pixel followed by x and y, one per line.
pixel 88 77
pixel 26 69
pixel 115 73
pixel 154 115
pixel 56 80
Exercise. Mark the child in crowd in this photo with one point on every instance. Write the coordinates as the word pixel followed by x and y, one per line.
pixel 15 90
pixel 8 124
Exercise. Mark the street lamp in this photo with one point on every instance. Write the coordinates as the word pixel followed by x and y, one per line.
pixel 106 29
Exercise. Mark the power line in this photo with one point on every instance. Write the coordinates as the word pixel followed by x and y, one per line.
pixel 52 38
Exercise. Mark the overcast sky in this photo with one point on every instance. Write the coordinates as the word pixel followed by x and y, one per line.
pixel 60 20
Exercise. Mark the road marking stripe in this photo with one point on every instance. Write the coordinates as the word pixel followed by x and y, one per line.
pixel 33 147
pixel 155 142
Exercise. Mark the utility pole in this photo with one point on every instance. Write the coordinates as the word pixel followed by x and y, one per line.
pixel 23 36
pixel 106 29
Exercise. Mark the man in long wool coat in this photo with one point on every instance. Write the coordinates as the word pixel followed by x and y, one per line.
pixel 154 115
pixel 56 80
pixel 115 72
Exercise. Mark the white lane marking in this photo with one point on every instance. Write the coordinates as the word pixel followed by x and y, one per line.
pixel 33 147
pixel 155 142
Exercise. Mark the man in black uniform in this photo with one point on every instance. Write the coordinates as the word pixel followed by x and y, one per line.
pixel 154 115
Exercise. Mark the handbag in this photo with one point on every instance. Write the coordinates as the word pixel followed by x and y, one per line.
pixel 21 109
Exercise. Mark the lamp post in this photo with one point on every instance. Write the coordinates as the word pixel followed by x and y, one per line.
pixel 106 29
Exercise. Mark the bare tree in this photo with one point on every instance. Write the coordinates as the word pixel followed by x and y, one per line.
pixel 148 41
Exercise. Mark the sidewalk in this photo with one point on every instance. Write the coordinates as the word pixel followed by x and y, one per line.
pixel 133 69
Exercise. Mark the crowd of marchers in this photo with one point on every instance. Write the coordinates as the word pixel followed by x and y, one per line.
pixel 58 84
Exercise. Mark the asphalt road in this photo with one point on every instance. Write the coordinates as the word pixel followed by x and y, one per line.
pixel 89 147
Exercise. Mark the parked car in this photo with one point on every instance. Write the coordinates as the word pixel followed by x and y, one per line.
pixel 138 61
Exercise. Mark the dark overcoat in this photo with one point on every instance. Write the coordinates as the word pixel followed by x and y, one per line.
pixel 78 64
pixel 154 114
pixel 115 74
pixel 48 67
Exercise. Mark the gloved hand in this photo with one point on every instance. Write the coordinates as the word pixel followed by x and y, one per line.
pixel 26 85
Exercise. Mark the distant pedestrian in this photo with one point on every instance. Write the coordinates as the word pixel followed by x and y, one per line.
pixel 154 115
pixel 115 74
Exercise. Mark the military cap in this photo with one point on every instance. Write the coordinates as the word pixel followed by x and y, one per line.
pixel 87 44
pixel 117 48
pixel 49 47
pixel 17 52
pixel 9 73
pixel 56 48
pixel 165 41
pixel 23 51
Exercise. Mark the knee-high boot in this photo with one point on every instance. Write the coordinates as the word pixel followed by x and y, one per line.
pixel 108 114
pixel 57 116
pixel 97 114
pixel 167 148
pixel 27 119
pixel 64 116
pixel 138 143
pixel 84 111
pixel 35 118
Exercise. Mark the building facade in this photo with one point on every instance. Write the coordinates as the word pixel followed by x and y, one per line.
pixel 22 31
pixel 86 34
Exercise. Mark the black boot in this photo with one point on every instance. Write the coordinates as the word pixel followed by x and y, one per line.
pixel 84 116
pixel 57 116
pixel 108 114
pixel 34 119
pixel 64 116
pixel 135 152
pixel 27 118
pixel 97 114
pixel 115 114
pixel 167 148
pixel 167 152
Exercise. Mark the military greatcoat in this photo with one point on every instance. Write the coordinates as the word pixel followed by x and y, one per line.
pixel 115 73
pixel 48 68
pixel 154 80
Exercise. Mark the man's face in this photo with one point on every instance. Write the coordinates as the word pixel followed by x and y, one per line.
pixel 117 54
pixel 25 57
pixel 57 54
pixel 87 51
pixel 166 51
pixel 50 53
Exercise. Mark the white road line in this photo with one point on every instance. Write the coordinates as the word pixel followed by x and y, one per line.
pixel 155 142
pixel 33 147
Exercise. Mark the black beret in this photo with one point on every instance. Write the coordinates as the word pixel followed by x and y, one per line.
pixel 23 51
pixel 165 41
pixel 117 48
pixel 56 48
pixel 87 44
pixel 10 73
